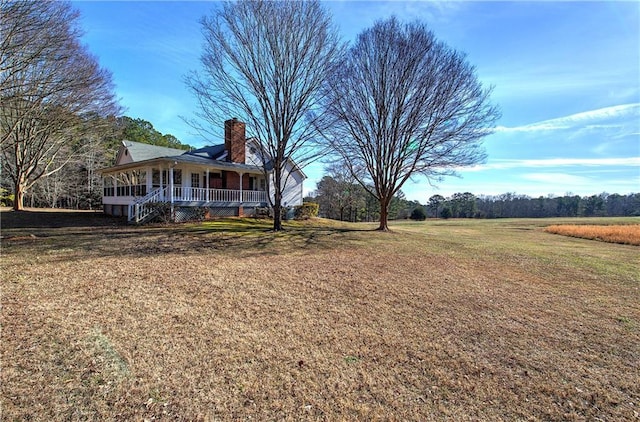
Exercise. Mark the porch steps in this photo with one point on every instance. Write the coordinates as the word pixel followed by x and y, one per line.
pixel 142 209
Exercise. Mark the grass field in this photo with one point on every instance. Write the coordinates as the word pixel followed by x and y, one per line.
pixel 225 320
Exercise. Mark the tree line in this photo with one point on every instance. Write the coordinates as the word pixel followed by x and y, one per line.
pixel 340 197
pixel 512 205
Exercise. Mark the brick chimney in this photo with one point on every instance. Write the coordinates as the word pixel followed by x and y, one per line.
pixel 234 140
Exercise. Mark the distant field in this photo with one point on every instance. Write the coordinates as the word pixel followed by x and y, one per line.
pixel 628 234
pixel 225 320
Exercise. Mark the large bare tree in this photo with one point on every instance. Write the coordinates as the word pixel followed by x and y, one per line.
pixel 400 103
pixel 50 86
pixel 264 62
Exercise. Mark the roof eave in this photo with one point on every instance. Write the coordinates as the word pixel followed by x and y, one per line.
pixel 176 160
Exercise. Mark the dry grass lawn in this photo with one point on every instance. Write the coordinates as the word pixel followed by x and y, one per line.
pixel 627 234
pixel 441 320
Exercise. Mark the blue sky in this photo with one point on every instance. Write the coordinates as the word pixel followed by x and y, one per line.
pixel 565 74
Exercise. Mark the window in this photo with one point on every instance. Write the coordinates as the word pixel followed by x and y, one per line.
pixel 109 189
pixel 155 177
pixel 195 180
pixel 138 183
pixel 123 184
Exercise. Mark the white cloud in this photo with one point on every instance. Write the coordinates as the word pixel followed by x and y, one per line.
pixel 555 162
pixel 582 119
pixel 555 179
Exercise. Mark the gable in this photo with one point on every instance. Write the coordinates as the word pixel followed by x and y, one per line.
pixel 255 157
pixel 252 152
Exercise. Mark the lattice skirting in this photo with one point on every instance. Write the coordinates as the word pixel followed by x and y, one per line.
pixel 223 211
pixel 182 214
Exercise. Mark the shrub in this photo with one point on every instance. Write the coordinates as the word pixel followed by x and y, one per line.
pixel 263 212
pixel 6 198
pixel 418 214
pixel 306 211
pixel 200 214
pixel 287 213
pixel 7 201
pixel 163 212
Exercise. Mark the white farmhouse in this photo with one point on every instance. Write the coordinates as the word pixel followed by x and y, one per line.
pixel 227 179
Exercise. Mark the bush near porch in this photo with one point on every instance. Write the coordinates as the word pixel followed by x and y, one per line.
pixel 306 210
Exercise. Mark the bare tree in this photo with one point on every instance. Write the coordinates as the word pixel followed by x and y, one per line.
pixel 80 184
pixel 339 195
pixel 264 62
pixel 49 85
pixel 402 104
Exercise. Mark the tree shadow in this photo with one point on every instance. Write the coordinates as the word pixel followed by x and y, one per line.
pixel 40 219
pixel 61 236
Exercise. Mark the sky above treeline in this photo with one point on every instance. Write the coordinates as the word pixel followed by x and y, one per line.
pixel 566 76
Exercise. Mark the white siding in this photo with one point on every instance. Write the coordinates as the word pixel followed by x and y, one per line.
pixel 292 195
pixel 117 200
pixel 252 157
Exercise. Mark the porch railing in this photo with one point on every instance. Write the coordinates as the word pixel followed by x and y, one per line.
pixel 142 207
pixel 217 195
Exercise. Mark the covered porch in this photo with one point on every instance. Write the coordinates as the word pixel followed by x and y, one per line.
pixel 132 190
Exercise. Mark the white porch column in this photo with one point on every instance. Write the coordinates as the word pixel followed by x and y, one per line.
pixel 241 174
pixel 115 185
pixel 161 180
pixel 149 176
pixel 171 185
pixel 207 185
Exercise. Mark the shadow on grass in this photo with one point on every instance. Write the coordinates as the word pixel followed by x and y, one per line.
pixel 60 236
pixel 41 219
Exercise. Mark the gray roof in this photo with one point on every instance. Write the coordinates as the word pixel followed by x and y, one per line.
pixel 141 152
pixel 213 152
pixel 206 156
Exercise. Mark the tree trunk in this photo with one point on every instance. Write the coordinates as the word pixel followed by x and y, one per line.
pixel 18 197
pixel 277 212
pixel 384 215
